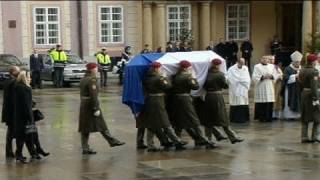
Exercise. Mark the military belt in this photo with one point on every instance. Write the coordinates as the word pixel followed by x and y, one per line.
pixel 85 97
pixel 184 94
pixel 307 89
pixel 216 92
pixel 156 94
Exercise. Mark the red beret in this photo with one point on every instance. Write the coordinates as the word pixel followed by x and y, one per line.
pixel 91 66
pixel 312 57
pixel 185 64
pixel 156 65
pixel 216 61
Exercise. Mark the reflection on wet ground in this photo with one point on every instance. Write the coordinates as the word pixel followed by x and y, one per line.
pixel 271 150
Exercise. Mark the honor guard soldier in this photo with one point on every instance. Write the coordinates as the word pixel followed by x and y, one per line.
pixel 91 118
pixel 216 113
pixel 60 59
pixel 310 112
pixel 155 117
pixel 181 110
pixel 104 65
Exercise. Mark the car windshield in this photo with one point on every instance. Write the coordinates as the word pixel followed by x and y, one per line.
pixel 74 59
pixel 6 60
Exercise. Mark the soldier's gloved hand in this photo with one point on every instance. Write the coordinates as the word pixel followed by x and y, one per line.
pixel 315 102
pixel 96 113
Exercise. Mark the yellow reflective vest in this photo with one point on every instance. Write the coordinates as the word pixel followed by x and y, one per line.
pixel 58 56
pixel 103 59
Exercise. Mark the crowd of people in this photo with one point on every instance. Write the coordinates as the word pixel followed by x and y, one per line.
pixel 279 93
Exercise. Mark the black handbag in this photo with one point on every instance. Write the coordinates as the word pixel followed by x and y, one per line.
pixel 37 115
pixel 31 128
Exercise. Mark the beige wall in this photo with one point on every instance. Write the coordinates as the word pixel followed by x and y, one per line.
pixel 218 21
pixel 1 32
pixel 27 24
pixel 132 13
pixel 263 27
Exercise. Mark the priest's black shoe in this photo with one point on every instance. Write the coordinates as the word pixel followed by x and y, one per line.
pixel 21 159
pixel 35 157
pixel 142 146
pixel 211 145
pixel 237 140
pixel 153 149
pixel 221 138
pixel 89 152
pixel 117 144
pixel 42 152
pixel 10 155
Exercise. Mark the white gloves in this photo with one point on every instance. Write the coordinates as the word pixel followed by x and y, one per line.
pixel 96 113
pixel 316 102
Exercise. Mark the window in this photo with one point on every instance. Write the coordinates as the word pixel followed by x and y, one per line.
pixel 179 21
pixel 46 25
pixel 237 21
pixel 111 24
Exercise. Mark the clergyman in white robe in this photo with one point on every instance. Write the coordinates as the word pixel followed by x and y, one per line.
pixel 239 85
pixel 264 96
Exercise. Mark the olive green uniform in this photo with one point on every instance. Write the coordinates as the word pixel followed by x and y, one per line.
pixel 310 112
pixel 182 112
pixel 155 117
pixel 216 113
pixel 88 123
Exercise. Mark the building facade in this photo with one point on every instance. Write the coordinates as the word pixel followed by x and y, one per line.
pixel 86 26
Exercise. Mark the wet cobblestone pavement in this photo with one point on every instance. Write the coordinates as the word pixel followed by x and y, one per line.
pixel 270 151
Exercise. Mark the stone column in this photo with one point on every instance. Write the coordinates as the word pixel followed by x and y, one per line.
pixel 204 25
pixel 316 13
pixel 161 30
pixel 306 24
pixel 147 25
pixel 195 26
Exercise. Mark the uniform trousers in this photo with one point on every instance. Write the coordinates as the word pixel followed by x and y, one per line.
pixel 106 134
pixel 213 130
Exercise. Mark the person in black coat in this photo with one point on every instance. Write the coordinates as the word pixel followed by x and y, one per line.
pixel 220 49
pixel 36 66
pixel 234 49
pixel 23 116
pixel 8 108
pixel 246 50
pixel 210 47
pixel 275 46
pixel 169 47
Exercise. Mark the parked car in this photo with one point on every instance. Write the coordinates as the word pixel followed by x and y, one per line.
pixel 73 72
pixel 7 60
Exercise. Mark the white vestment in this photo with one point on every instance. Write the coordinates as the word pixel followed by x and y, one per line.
pixel 239 85
pixel 264 89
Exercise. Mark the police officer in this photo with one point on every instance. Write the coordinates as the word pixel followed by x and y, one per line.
pixel 104 65
pixel 91 118
pixel 60 59
pixel 8 108
pixel 310 112
pixel 182 112
pixel 155 117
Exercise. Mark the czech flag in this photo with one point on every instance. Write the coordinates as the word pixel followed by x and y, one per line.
pixel 136 69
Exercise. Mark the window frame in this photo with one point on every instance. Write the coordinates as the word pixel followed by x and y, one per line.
pixel 178 20
pixel 46 23
pixel 111 26
pixel 238 19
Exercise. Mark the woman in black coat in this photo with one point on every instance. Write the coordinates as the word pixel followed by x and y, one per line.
pixel 23 116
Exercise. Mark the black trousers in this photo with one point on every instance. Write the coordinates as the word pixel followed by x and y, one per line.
pixel 58 75
pixel 263 111
pixel 36 79
pixel 9 139
pixel 25 139
pixel 103 77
